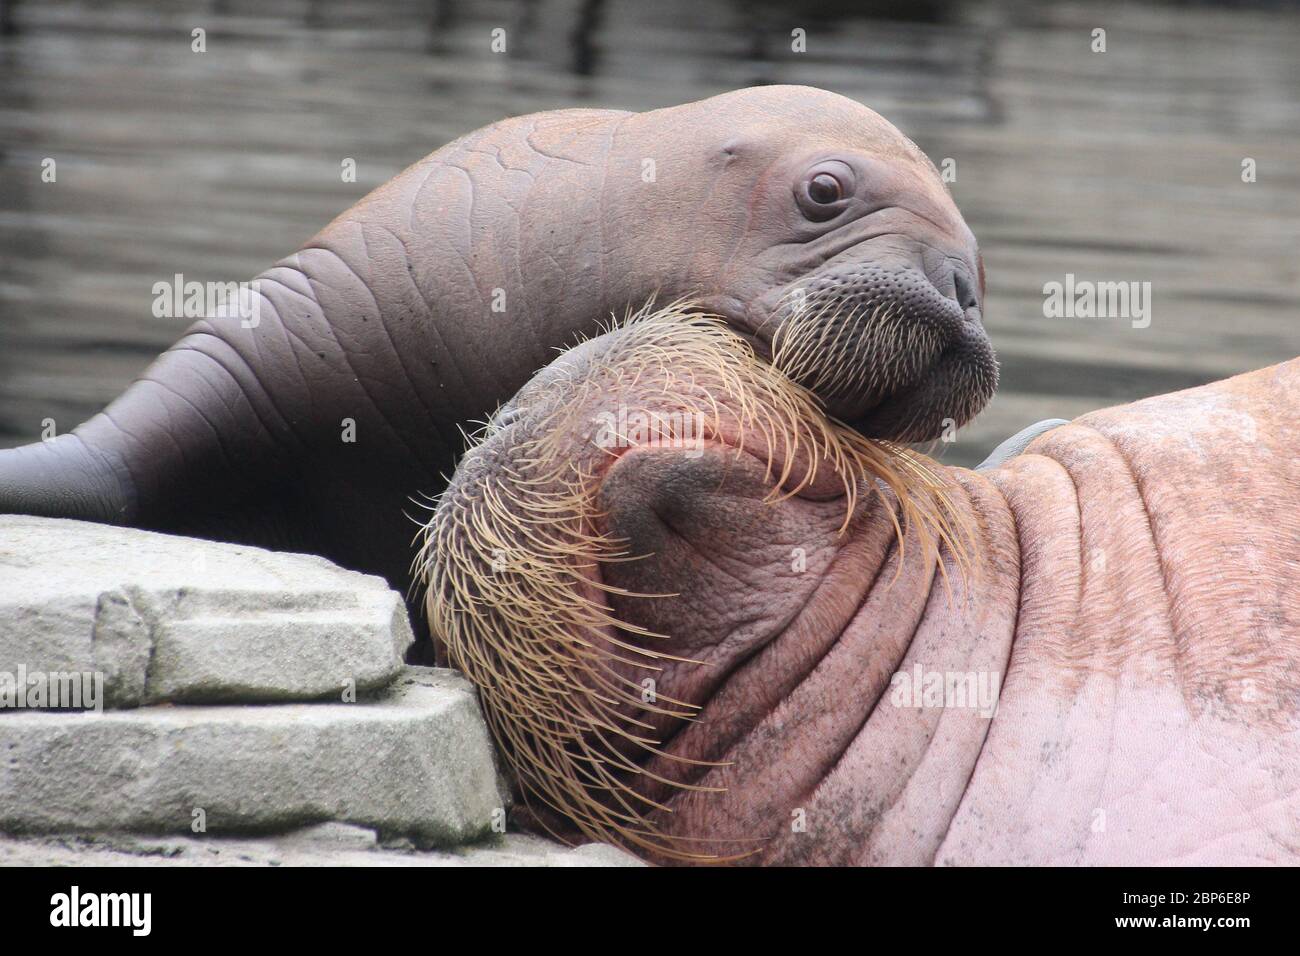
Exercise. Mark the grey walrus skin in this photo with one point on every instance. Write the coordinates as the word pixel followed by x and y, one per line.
pixel 386 318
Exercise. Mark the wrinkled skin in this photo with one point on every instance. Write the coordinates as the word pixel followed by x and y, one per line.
pixel 387 318
pixel 1134 587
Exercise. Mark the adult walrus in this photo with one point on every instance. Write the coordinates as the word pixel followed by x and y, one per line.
pixel 433 299
pixel 699 631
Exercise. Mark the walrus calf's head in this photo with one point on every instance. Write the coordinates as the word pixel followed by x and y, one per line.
pixel 632 527
pixel 826 235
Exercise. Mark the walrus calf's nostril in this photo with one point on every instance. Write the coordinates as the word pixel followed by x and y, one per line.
pixel 964 291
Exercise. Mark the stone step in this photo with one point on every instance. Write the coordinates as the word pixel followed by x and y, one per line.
pixel 165 618
pixel 329 844
pixel 415 760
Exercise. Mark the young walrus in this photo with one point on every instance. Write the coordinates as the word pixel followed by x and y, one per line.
pixel 709 623
pixel 305 414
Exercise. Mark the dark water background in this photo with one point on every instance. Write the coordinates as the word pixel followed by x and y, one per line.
pixel 1115 166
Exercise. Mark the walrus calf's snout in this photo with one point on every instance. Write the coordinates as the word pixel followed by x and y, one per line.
pixel 894 343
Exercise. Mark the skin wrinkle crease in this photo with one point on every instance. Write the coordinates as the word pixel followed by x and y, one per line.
pixel 601 210
pixel 693 258
pixel 1152 542
pixel 1010 512
pixel 761 183
pixel 380 319
pixel 1177 649
pixel 513 259
pixel 603 202
pixel 376 406
pixel 433 328
pixel 107 413
pixel 838 761
pixel 216 433
pixel 1023 547
pixel 891 553
pixel 901 789
pixel 284 330
pixel 185 346
pixel 460 254
pixel 1104 777
pixel 528 311
pixel 291 338
pixel 230 409
pixel 1062 648
pixel 119 465
pixel 528 138
pixel 747 657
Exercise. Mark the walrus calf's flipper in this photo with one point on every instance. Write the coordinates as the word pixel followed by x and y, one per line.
pixel 64 478
pixel 184 449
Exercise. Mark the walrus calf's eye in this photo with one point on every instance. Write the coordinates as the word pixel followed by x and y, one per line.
pixel 825 189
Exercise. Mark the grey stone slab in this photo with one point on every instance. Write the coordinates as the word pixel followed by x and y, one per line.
pixel 166 618
pixel 417 760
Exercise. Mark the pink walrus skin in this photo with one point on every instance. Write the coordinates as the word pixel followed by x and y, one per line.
pixel 1132 598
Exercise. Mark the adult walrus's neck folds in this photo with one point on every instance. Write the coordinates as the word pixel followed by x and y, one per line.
pixel 435 298
pixel 698 629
